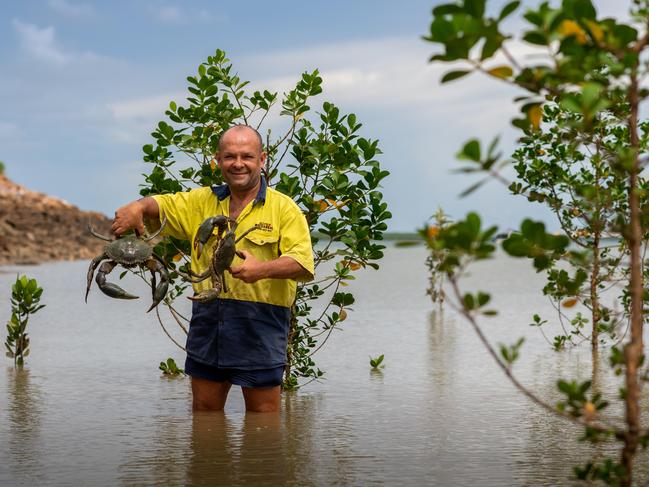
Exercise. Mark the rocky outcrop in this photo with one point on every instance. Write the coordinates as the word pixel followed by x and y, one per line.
pixel 35 228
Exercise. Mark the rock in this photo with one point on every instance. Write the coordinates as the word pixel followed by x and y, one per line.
pixel 35 228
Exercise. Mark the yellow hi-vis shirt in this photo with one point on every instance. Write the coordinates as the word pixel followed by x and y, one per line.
pixel 283 232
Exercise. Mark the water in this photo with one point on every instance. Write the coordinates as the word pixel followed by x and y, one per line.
pixel 91 408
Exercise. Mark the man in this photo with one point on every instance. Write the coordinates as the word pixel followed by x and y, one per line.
pixel 241 337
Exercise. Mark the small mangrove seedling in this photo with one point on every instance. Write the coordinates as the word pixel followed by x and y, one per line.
pixel 25 301
pixel 170 369
pixel 377 363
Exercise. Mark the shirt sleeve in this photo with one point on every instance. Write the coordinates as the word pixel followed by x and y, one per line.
pixel 176 209
pixel 295 239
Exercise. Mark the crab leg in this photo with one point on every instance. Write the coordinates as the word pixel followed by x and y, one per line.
pixel 91 270
pixel 160 290
pixel 98 235
pixel 157 232
pixel 210 294
pixel 153 284
pixel 108 288
pixel 254 227
pixel 194 278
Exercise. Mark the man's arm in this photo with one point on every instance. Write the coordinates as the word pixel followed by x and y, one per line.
pixel 131 216
pixel 284 267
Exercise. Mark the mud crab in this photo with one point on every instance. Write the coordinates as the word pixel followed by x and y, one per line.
pixel 222 255
pixel 128 251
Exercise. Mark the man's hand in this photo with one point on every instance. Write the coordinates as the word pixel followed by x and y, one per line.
pixel 251 270
pixel 127 217
pixel 132 216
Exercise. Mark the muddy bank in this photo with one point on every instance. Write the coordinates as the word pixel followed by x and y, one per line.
pixel 36 228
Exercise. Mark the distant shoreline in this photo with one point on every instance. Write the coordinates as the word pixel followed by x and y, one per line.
pixel 387 236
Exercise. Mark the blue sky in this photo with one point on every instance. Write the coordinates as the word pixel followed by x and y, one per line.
pixel 83 83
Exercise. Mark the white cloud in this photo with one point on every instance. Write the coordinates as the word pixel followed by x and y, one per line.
pixel 173 14
pixel 9 130
pixel 388 78
pixel 132 120
pixel 169 14
pixel 68 9
pixel 40 42
pixel 142 108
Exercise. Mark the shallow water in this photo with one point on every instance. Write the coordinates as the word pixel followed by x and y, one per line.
pixel 91 408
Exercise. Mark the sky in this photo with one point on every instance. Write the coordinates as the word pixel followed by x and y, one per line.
pixel 83 84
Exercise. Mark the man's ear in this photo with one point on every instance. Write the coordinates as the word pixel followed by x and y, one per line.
pixel 263 159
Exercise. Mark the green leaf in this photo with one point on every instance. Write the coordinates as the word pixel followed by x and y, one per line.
pixel 536 38
pixel 453 75
pixel 447 9
pixel 502 72
pixel 476 8
pixel 584 9
pixel 508 9
pixel 474 187
pixel 470 151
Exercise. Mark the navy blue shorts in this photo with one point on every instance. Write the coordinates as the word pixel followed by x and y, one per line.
pixel 244 378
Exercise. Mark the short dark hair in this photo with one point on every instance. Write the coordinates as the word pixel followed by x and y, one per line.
pixel 259 138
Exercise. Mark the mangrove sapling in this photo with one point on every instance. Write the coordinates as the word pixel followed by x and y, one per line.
pixel 377 363
pixel 593 67
pixel 170 369
pixel 568 170
pixel 318 159
pixel 435 256
pixel 25 301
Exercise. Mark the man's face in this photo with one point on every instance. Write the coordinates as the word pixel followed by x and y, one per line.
pixel 240 159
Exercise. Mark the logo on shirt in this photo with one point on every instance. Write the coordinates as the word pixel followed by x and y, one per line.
pixel 266 227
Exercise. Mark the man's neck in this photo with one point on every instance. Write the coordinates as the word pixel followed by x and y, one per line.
pixel 239 199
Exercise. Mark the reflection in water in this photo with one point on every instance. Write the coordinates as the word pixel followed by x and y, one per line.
pixel 596 386
pixel 164 456
pixel 554 443
pixel 24 411
pixel 441 345
pixel 261 449
pixel 212 454
pixel 223 453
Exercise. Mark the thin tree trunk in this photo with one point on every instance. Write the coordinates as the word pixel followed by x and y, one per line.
pixel 594 296
pixel 289 347
pixel 634 348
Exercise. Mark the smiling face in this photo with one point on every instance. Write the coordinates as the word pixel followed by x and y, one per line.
pixel 241 159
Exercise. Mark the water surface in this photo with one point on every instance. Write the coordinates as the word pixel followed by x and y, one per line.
pixel 91 408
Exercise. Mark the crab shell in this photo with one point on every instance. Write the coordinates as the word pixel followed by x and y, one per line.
pixel 129 250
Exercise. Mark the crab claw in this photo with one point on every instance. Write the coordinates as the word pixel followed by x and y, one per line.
pixel 108 288
pixel 205 296
pixel 159 294
pixel 204 232
pixel 114 291
pixel 159 291
pixel 199 249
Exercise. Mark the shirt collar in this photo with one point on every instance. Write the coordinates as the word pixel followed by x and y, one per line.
pixel 223 191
